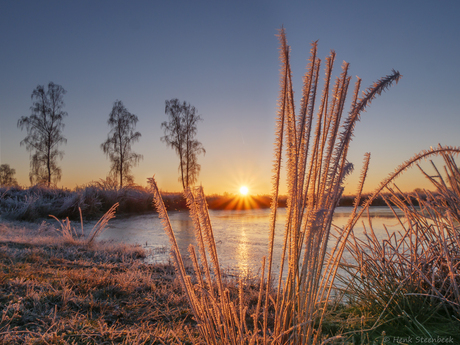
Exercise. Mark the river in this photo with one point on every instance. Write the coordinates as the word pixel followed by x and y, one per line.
pixel 241 236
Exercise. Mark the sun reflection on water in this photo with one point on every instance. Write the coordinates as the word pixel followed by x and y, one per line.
pixel 242 251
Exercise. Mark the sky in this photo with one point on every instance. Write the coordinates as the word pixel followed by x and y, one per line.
pixel 222 58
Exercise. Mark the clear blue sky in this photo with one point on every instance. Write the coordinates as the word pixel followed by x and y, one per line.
pixel 222 57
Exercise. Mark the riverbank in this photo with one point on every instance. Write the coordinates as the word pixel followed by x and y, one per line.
pixel 56 291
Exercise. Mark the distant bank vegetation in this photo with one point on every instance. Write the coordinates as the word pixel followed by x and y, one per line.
pixel 40 201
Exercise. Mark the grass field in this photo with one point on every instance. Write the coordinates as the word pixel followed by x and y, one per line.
pixel 56 291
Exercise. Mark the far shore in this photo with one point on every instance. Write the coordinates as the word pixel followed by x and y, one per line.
pixel 92 201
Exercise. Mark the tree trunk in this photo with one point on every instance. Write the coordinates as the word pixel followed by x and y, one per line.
pixel 181 156
pixel 188 162
pixel 121 175
pixel 121 152
pixel 48 165
pixel 187 154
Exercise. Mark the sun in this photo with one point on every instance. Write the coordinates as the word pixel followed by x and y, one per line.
pixel 244 190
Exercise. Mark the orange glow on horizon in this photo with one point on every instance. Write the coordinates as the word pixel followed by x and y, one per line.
pixel 238 202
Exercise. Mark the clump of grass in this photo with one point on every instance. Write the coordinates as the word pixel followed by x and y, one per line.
pixel 317 165
pixel 70 234
pixel 221 314
pixel 407 283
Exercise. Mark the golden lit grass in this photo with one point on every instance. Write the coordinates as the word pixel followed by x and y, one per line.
pixel 316 164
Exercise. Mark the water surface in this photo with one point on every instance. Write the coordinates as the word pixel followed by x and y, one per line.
pixel 241 236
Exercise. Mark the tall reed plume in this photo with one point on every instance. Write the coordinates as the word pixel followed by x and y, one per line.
pixel 315 143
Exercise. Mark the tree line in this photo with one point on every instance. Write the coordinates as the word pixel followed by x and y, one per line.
pixel 45 126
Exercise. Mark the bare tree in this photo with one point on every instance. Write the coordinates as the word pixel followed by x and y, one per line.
pixel 180 132
pixel 44 133
pixel 118 144
pixel 7 176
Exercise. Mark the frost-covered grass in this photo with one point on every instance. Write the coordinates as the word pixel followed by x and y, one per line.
pixel 61 292
pixel 37 202
pixel 40 201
